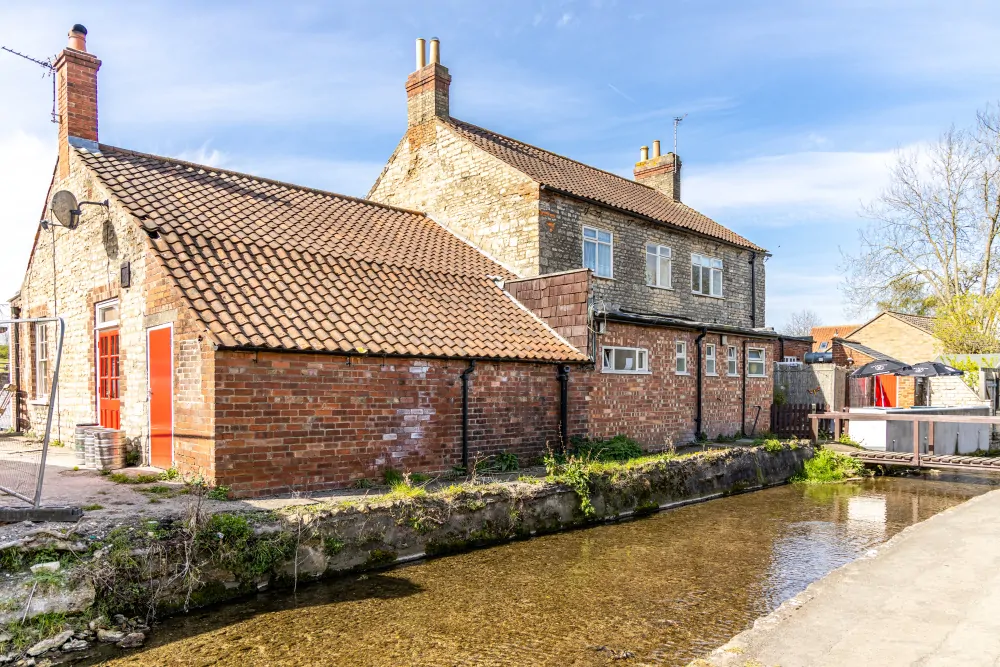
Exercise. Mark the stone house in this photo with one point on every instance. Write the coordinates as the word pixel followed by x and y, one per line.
pixel 668 303
pixel 271 337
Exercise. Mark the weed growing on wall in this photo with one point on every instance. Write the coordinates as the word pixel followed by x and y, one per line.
pixel 829 466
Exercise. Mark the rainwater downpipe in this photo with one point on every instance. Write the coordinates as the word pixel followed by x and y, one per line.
pixel 698 388
pixel 743 394
pixel 753 289
pixel 564 406
pixel 465 412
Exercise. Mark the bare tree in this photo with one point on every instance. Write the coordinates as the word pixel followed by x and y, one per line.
pixel 937 224
pixel 801 323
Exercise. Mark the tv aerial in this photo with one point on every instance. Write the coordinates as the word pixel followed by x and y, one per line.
pixel 67 210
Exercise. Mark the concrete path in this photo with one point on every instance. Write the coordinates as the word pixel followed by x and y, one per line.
pixel 928 597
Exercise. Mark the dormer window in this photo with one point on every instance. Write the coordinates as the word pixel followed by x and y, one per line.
pixel 597 252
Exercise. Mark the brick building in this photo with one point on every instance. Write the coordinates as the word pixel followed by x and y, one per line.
pixel 491 297
pixel 272 337
pixel 670 305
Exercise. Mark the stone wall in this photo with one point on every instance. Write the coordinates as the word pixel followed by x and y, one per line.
pixel 560 247
pixel 301 422
pixel 468 191
pixel 88 263
pixel 947 392
pixel 658 409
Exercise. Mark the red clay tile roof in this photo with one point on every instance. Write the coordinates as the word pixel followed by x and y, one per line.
pixel 576 178
pixel 272 265
pixel 825 334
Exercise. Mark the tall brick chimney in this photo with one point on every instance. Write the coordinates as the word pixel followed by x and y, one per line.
pixel 662 172
pixel 76 91
pixel 427 88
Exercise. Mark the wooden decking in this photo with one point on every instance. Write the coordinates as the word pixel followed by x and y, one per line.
pixel 928 460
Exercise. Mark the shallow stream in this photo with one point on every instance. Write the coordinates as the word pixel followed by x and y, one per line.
pixel 667 588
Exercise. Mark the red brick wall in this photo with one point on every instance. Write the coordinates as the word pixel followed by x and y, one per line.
pixel 561 300
pixel 794 348
pixel 846 357
pixel 659 409
pixel 297 422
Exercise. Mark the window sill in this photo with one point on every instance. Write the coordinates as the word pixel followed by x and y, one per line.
pixel 681 373
pixel 759 376
pixel 38 401
pixel 708 296
pixel 610 279
pixel 604 370
pixel 711 375
pixel 663 287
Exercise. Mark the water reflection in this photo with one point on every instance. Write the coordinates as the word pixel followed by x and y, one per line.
pixel 668 588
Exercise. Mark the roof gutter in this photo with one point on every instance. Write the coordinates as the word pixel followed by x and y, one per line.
pixel 598 202
pixel 657 320
pixel 395 355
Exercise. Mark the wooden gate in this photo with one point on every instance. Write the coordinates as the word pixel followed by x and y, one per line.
pixel 792 419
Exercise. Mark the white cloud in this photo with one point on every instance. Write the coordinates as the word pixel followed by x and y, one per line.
pixel 24 181
pixel 564 20
pixel 833 183
pixel 211 157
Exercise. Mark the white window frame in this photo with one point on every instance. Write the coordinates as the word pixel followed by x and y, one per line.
pixel 41 361
pixel 702 262
pixel 641 356
pixel 660 252
pixel 732 361
pixel 762 361
pixel 680 354
pixel 711 363
pixel 789 359
pixel 104 305
pixel 597 246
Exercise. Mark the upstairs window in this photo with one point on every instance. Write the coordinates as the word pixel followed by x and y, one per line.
pixel 597 252
pixel 706 275
pixel 625 360
pixel 41 360
pixel 710 366
pixel 732 367
pixel 658 265
pixel 681 357
pixel 755 362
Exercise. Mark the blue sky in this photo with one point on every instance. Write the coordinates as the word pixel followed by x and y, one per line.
pixel 794 108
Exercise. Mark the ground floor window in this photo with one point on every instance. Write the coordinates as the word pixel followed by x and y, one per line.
pixel 755 362
pixel 732 367
pixel 41 360
pixel 681 357
pixel 625 360
pixel 710 368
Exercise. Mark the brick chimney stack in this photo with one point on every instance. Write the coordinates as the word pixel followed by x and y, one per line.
pixel 76 92
pixel 662 172
pixel 427 88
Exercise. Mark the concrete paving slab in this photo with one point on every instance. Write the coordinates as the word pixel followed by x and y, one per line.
pixel 930 596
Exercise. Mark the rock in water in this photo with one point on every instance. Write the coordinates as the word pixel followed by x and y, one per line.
pixel 132 640
pixel 110 636
pixel 50 643
pixel 74 645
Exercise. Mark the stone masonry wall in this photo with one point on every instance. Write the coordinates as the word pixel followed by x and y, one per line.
pixel 658 409
pixel 297 422
pixel 87 271
pixel 475 195
pixel 561 300
pixel 561 249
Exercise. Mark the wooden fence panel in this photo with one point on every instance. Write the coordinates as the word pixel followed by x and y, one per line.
pixel 792 419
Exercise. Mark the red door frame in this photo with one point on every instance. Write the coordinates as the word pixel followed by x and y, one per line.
pixel 109 412
pixel 160 379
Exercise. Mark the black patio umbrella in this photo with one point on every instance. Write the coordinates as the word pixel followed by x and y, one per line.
pixel 880 367
pixel 930 369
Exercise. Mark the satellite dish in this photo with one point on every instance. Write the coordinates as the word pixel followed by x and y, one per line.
pixel 65 208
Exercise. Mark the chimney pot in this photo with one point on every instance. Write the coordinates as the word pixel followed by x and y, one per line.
pixel 78 38
pixel 435 51
pixel 421 53
pixel 643 153
pixel 656 148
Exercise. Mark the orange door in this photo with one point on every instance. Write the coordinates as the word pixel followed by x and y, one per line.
pixel 108 404
pixel 885 391
pixel 161 397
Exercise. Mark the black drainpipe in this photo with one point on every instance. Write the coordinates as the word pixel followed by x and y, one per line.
pixel 564 406
pixel 465 413
pixel 743 394
pixel 753 289
pixel 781 348
pixel 698 375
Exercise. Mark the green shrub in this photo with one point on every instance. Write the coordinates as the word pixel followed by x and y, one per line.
pixel 829 466
pixel 618 448
pixel 391 477
pixel 773 445
pixel 218 493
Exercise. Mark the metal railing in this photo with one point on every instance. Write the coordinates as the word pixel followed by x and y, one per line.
pixel 22 469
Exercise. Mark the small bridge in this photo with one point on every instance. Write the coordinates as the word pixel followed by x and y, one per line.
pixel 916 459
